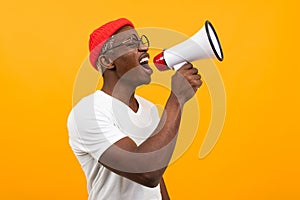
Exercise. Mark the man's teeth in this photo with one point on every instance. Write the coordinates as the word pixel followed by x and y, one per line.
pixel 144 60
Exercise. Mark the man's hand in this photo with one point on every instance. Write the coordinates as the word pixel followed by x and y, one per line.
pixel 185 82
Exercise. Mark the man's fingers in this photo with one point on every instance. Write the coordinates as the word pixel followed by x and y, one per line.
pixel 186 66
pixel 196 83
pixel 191 75
pixel 195 77
pixel 191 71
pixel 188 69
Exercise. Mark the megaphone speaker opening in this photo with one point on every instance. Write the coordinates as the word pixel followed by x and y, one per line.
pixel 214 40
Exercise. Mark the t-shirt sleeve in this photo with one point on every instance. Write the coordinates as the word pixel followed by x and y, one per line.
pixel 92 129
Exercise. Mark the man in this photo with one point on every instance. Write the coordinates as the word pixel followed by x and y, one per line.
pixel 117 136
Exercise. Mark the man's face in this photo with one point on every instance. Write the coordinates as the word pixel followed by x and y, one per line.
pixel 130 57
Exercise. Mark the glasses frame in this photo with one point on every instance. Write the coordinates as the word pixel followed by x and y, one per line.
pixel 134 41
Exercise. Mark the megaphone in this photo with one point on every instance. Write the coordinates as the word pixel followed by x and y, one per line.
pixel 202 45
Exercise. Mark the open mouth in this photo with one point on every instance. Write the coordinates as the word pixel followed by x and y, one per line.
pixel 144 60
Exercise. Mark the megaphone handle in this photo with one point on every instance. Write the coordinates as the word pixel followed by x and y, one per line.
pixel 179 65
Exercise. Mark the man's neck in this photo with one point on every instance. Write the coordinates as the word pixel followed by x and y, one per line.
pixel 123 93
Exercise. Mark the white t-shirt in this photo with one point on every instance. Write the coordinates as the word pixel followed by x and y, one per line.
pixel 97 122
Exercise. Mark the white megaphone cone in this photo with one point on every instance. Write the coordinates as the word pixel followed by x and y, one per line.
pixel 204 44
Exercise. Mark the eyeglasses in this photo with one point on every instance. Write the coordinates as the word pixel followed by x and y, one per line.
pixel 133 42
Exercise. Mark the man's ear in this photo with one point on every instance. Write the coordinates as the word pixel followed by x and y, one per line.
pixel 106 62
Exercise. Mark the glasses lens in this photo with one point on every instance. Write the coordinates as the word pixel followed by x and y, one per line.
pixel 144 40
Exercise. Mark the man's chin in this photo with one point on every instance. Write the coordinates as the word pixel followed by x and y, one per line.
pixel 145 82
pixel 148 81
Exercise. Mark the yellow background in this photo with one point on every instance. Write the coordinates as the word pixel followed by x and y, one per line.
pixel 43 43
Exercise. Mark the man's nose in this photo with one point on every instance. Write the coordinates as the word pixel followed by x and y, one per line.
pixel 143 47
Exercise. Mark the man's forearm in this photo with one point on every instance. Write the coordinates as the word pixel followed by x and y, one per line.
pixel 160 146
pixel 167 128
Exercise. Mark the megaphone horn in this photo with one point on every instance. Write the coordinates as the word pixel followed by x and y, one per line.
pixel 202 45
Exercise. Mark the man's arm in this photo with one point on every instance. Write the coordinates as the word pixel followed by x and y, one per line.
pixel 146 163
